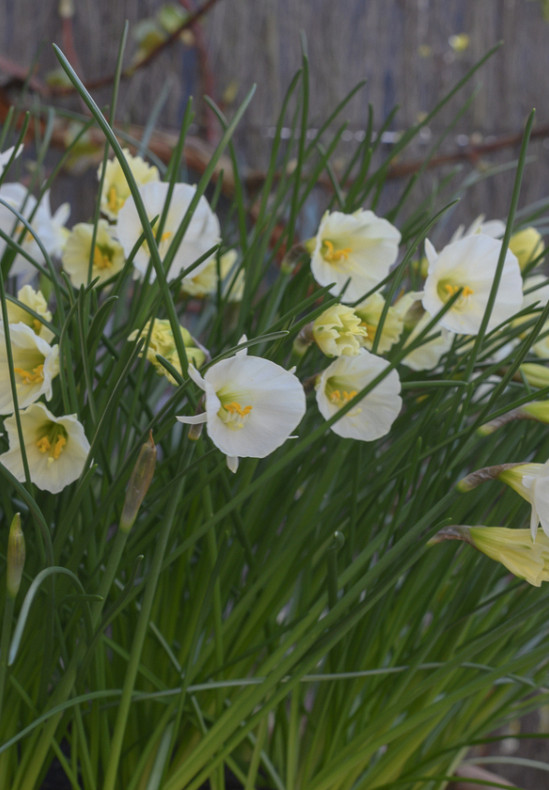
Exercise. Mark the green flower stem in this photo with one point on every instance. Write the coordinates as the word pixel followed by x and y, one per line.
pixel 138 642
pixel 4 646
pixel 219 783
pixel 37 749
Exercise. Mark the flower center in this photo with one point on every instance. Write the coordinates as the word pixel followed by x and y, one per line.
pixel 447 289
pixel 333 255
pixel 370 330
pixel 102 257
pixel 52 439
pixel 115 203
pixel 339 394
pixel 35 376
pixel 233 414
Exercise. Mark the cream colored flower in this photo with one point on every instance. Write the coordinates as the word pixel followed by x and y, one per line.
pixel 359 248
pixel 162 342
pixel 56 448
pixel 470 265
pixel 531 481
pixel 202 233
pixel 48 227
pixel 513 548
pixel 115 190
pixel 526 244
pixel 536 375
pixel 369 311
pixel 338 331
pixel 206 281
pixel 252 406
pixel 108 255
pixel 35 364
pixel 492 227
pixel 372 416
pixel 34 300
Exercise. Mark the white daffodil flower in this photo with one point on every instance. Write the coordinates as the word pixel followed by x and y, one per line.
pixel 469 265
pixel 18 314
pixel 108 255
pixel 372 416
pixel 56 448
pixel 492 227
pixel 115 189
pixel 359 248
pixel 35 364
pixel 202 234
pixel 48 227
pixel 252 405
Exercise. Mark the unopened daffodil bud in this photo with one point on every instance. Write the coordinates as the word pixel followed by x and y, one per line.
pixel 513 548
pixel 16 557
pixel 536 375
pixel 537 410
pixel 138 485
pixel 526 244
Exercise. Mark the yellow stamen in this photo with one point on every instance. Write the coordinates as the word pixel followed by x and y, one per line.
pixel 34 377
pixel 37 325
pixel 43 444
pixel 113 200
pixel 233 414
pixel 58 446
pixel 53 442
pixel 341 397
pixel 101 260
pixel 236 408
pixel 453 289
pixel 370 330
pixel 335 256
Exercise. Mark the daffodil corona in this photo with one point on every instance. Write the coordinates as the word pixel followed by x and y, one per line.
pixel 354 250
pixel 252 405
pixel 35 364
pixel 202 233
pixel 56 448
pixel 467 267
pixel 374 414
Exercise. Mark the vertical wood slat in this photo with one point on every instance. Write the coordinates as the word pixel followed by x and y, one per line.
pixel 377 40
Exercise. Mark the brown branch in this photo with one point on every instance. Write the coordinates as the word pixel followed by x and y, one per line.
pixel 21 74
pixel 101 82
pixel 470 153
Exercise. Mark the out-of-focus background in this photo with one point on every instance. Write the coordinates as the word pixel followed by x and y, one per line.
pixel 409 52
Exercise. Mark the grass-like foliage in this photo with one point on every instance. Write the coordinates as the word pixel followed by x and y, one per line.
pixel 247 591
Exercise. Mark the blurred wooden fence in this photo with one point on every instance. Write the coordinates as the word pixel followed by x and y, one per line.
pixel 402 48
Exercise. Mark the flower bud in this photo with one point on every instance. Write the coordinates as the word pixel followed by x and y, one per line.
pixel 513 548
pixel 138 484
pixel 16 556
pixel 482 475
pixel 526 244
pixel 535 374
